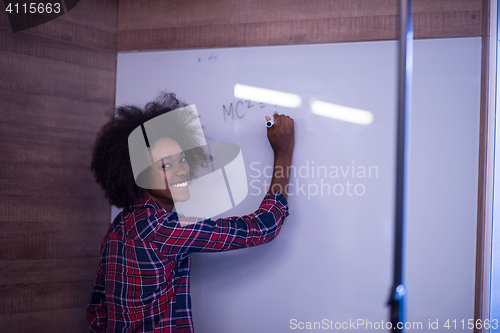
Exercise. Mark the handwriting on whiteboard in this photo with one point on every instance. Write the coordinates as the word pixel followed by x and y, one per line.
pixel 230 111
pixel 212 57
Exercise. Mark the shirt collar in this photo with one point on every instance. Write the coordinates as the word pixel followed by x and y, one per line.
pixel 141 203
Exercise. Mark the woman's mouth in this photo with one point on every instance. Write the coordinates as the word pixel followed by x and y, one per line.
pixel 183 184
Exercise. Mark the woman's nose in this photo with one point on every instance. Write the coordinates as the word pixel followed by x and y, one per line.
pixel 181 169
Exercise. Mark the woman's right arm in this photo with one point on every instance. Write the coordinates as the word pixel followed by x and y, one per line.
pixel 223 234
pixel 238 232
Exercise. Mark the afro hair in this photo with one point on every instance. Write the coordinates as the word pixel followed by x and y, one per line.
pixel 110 157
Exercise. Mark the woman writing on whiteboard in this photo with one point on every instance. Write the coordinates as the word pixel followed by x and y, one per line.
pixel 142 283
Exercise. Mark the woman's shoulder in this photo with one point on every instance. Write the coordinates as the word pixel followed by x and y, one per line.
pixel 141 220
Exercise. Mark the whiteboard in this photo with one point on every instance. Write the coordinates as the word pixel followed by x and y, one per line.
pixel 332 262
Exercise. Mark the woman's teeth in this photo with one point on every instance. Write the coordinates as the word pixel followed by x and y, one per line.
pixel 180 184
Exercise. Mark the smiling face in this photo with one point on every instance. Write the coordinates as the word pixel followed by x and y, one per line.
pixel 170 170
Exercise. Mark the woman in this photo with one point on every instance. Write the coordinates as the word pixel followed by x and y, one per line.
pixel 142 283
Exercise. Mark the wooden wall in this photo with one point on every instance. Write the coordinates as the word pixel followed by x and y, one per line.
pixel 57 82
pixel 485 171
pixel 179 24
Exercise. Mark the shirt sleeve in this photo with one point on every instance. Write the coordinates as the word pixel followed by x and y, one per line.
pixel 96 309
pixel 224 234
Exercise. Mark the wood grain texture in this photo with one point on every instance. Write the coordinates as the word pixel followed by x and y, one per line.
pixel 95 14
pixel 69 33
pixel 30 241
pixel 56 147
pixel 64 320
pixel 59 112
pixel 35 296
pixel 45 210
pixel 58 83
pixel 48 270
pixel 53 49
pixel 156 14
pixel 482 195
pixel 40 76
pixel 154 24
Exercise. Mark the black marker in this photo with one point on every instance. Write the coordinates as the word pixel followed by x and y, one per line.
pixel 269 122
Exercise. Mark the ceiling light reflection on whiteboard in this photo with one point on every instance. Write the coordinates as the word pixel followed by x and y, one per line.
pixel 340 112
pixel 268 96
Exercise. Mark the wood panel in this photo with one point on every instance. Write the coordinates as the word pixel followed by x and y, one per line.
pixel 95 14
pixel 29 240
pixel 54 144
pixel 46 321
pixel 77 54
pixel 45 210
pixel 58 82
pixel 18 108
pixel 155 24
pixel 157 14
pixel 48 270
pixel 35 296
pixel 67 33
pixel 39 76
pixel 485 174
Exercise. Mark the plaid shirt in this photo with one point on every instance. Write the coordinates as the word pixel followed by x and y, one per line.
pixel 142 284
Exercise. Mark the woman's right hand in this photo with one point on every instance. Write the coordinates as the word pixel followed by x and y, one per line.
pixel 282 139
pixel 281 135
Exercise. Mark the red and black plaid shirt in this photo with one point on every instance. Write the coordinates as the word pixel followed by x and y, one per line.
pixel 142 284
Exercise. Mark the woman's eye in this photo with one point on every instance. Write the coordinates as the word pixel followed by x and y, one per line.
pixel 183 159
pixel 166 166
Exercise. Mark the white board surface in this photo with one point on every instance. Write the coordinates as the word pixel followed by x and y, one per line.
pixel 332 261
